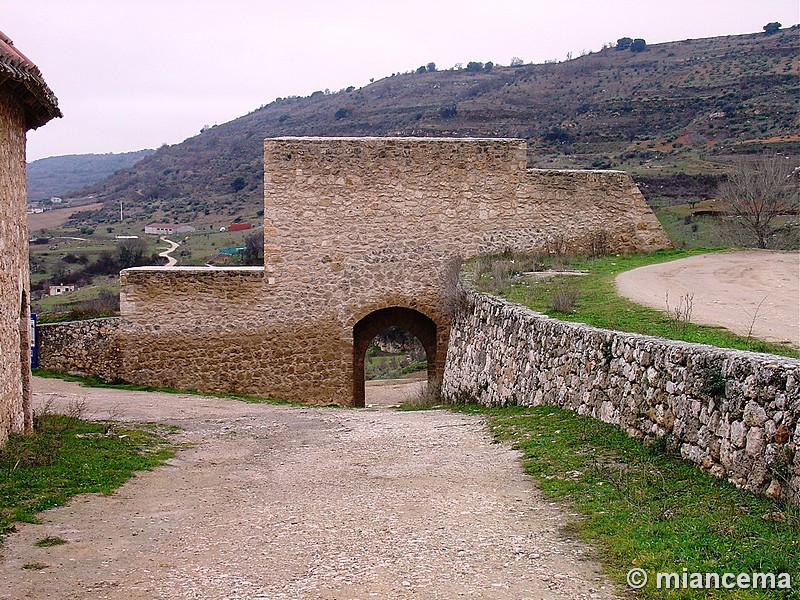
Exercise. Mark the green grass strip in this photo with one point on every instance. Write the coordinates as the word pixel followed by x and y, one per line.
pixel 66 456
pixel 642 507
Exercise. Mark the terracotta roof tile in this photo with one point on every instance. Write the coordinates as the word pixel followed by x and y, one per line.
pixel 19 73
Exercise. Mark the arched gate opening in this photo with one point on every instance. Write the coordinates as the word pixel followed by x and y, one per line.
pixel 416 323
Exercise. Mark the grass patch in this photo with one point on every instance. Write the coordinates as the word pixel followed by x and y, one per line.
pixel 641 507
pixel 66 456
pixel 597 302
pixel 50 540
pixel 96 382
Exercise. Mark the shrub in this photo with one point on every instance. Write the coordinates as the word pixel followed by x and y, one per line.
pixel 448 112
pixel 563 299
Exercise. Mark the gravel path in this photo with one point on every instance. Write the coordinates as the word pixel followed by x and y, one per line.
pixel 284 502
pixel 728 288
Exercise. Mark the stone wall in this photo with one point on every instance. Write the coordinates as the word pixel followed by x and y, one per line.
pixel 80 347
pixel 735 414
pixel 360 232
pixel 14 275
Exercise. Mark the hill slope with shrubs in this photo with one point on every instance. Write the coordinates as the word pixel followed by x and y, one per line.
pixel 670 114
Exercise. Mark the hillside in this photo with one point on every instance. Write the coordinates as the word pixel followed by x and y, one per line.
pixel 665 114
pixel 60 175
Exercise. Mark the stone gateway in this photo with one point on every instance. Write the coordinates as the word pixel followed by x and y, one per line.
pixel 361 234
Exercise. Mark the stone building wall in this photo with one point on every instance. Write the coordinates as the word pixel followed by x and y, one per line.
pixel 735 414
pixel 88 347
pixel 14 274
pixel 361 233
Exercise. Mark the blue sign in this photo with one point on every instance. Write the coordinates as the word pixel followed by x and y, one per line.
pixel 34 358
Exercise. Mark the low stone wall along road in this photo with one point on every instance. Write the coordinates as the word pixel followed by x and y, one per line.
pixel 286 502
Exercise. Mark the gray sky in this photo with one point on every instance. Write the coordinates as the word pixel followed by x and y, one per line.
pixel 133 74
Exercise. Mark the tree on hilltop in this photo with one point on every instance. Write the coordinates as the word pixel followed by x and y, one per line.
pixel 771 28
pixel 638 45
pixel 624 43
pixel 474 66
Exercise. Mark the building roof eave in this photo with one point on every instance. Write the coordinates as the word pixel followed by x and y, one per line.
pixel 18 73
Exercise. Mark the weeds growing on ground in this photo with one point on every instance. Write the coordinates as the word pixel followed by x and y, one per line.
pixel 50 540
pixel 429 396
pixel 563 299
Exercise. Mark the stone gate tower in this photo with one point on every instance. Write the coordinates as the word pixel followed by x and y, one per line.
pixel 361 234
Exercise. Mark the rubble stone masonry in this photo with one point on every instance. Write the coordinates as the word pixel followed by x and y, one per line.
pixel 14 274
pixel 735 414
pixel 361 233
pixel 88 347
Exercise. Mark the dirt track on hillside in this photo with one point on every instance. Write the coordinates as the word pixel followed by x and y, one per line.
pixel 284 502
pixel 727 288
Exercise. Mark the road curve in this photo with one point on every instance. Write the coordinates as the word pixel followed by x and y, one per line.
pixel 171 262
pixel 751 289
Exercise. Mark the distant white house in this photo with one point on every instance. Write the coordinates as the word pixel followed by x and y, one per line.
pixel 167 229
pixel 58 290
pixel 56 200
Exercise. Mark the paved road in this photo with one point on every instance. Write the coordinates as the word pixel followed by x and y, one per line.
pixel 309 503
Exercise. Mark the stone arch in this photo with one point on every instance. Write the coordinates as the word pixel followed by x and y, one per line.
pixel 416 323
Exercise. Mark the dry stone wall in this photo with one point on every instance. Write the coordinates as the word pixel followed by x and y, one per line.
pixel 353 226
pixel 735 414
pixel 14 273
pixel 80 347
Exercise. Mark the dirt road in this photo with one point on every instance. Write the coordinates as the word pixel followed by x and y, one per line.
pixel 727 288
pixel 284 502
pixel 171 260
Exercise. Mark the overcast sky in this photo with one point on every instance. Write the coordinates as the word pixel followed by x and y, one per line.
pixel 133 74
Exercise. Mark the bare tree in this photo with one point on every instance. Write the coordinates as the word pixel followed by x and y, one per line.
pixel 759 190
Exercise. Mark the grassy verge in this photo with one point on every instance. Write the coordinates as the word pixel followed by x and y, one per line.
pixel 642 507
pixel 596 302
pixel 66 456
pixel 94 381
